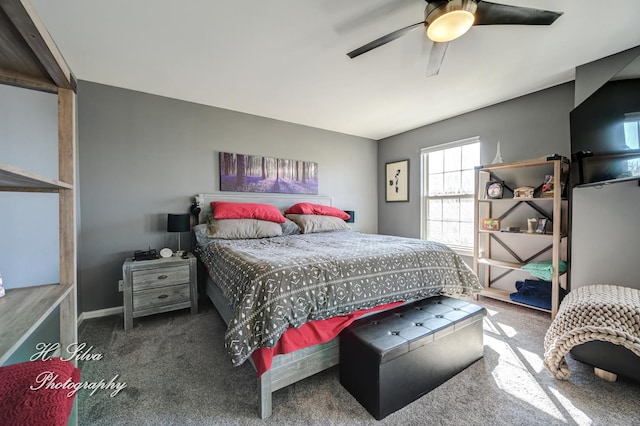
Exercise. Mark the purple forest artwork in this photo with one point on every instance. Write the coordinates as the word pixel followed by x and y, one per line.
pixel 253 173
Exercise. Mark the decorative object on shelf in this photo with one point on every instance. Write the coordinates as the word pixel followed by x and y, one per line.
pixel 542 225
pixel 523 192
pixel 494 189
pixel 166 252
pixel 548 187
pixel 531 224
pixel 397 181
pixel 498 158
pixel 254 173
pixel 512 229
pixel 490 224
pixel 178 223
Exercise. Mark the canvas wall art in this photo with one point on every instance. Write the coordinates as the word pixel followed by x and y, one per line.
pixel 254 173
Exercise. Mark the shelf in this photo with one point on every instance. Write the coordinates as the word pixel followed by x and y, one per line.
pixel 503 295
pixel 501 263
pixel 554 209
pixel 15 179
pixel 536 162
pixel 492 200
pixel 532 234
pixel 22 310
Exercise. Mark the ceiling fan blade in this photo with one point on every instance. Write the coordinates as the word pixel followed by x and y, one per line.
pixel 383 40
pixel 501 14
pixel 371 15
pixel 435 58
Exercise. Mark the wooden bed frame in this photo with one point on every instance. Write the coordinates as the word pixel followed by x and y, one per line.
pixel 289 368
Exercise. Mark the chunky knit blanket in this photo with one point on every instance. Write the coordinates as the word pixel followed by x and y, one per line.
pixel 598 312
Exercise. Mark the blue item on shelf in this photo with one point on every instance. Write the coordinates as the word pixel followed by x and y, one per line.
pixel 534 293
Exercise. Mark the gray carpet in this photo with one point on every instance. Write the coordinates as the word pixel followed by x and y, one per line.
pixel 177 372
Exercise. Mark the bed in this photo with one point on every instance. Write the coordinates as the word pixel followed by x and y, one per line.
pixel 266 288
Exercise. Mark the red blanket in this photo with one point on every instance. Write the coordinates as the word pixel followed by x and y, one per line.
pixel 32 392
pixel 309 334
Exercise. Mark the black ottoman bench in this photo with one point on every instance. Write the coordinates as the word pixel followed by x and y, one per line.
pixel 390 359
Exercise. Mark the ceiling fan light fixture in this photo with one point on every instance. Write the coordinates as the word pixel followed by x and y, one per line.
pixel 448 20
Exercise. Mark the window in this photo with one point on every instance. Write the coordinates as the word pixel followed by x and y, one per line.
pixel 632 130
pixel 447 193
pixel 632 140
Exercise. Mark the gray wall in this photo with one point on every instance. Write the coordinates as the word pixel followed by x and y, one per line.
pixel 142 156
pixel 527 127
pixel 29 244
pixel 590 77
pixel 29 230
pixel 604 231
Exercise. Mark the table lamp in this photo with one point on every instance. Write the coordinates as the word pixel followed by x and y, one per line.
pixel 178 223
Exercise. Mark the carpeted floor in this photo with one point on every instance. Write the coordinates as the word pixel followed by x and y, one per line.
pixel 177 373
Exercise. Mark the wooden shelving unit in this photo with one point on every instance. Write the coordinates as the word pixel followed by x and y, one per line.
pixel 492 267
pixel 30 59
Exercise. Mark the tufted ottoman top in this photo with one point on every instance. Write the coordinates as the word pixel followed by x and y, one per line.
pixel 408 327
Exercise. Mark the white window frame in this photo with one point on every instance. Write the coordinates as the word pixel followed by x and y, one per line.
pixel 424 189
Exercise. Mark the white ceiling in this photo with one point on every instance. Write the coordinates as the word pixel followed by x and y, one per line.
pixel 286 59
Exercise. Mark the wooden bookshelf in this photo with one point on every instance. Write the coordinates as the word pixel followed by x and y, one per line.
pixel 554 209
pixel 29 59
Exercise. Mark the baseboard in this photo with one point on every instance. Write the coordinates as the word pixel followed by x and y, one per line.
pixel 100 313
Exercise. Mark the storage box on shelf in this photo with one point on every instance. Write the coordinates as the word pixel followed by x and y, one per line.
pixel 529 205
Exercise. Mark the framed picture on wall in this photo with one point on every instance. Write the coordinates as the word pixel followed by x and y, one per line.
pixel 397 181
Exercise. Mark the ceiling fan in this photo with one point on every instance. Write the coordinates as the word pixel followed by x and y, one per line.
pixel 446 20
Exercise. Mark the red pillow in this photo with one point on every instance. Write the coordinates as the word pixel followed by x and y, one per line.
pixel 229 210
pixel 25 398
pixel 310 208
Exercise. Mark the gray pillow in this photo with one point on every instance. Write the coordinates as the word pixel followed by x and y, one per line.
pixel 310 223
pixel 237 229
pixel 200 232
pixel 289 227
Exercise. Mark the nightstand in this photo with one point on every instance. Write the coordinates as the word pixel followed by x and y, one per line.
pixel 159 285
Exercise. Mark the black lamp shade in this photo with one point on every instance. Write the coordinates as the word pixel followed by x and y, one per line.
pixel 178 222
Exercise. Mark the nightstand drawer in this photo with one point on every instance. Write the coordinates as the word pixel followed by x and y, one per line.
pixel 159 277
pixel 162 296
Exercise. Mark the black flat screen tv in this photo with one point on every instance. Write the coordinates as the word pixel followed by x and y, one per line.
pixel 605 134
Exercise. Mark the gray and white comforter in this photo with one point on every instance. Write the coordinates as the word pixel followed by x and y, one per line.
pixel 281 282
